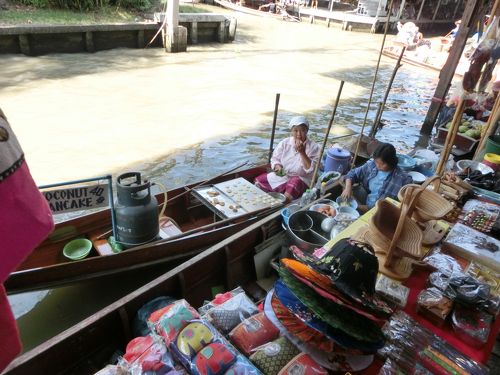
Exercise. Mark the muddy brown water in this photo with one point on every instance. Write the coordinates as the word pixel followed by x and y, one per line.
pixel 185 117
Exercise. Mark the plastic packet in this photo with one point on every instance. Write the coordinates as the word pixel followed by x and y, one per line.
pixel 439 280
pixel 113 370
pixel 465 289
pixel 434 306
pixel 442 262
pixel 140 325
pixel 170 320
pixel 231 313
pixel 148 355
pixel 302 364
pixel 273 356
pixel 392 290
pixel 219 299
pixel 252 333
pixel 472 326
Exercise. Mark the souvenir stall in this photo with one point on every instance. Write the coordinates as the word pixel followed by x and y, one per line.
pixel 409 287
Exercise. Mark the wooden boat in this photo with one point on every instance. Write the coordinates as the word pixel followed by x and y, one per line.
pixel 434 61
pixel 86 347
pixel 47 267
pixel 249 10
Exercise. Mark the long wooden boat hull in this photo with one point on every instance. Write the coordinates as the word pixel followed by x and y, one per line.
pixel 85 347
pixel 394 52
pixel 247 10
pixel 46 267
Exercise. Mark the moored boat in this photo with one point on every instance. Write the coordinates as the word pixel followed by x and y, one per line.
pixel 195 230
pixel 86 347
pixel 245 9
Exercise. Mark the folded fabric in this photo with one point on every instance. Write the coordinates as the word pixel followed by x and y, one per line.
pixel 252 333
pixel 272 357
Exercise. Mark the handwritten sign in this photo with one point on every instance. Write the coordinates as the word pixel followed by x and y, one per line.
pixel 77 198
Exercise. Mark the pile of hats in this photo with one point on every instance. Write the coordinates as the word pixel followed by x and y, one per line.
pixel 328 308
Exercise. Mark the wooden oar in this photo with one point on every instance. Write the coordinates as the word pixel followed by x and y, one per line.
pixel 373 85
pixel 378 117
pixel 313 180
pixel 275 117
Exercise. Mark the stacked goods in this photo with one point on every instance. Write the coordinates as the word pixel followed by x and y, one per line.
pixel 469 127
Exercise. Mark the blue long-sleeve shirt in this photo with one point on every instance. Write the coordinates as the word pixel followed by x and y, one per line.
pixel 390 188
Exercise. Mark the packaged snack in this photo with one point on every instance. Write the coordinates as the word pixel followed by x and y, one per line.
pixel 473 326
pixel 252 333
pixel 219 300
pixel 434 306
pixel 439 280
pixel 467 290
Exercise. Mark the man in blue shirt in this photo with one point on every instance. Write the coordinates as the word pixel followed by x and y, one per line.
pixel 380 177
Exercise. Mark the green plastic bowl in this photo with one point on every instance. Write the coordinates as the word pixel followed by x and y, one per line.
pixel 77 249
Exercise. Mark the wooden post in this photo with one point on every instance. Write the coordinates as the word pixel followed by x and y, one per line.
pixel 490 127
pixel 436 11
pixel 24 44
pixel 420 10
pixel 456 9
pixel 469 18
pixel 450 138
pixel 401 8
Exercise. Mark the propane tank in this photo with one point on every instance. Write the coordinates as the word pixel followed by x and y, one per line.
pixel 136 211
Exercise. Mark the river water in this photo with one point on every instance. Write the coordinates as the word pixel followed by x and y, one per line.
pixel 185 117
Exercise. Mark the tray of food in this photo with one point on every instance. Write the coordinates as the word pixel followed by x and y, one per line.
pixel 235 198
pixel 247 195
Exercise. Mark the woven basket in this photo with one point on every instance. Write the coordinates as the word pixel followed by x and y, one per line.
pixel 383 226
pixel 429 205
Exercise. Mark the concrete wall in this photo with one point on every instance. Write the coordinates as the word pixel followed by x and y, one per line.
pixel 33 40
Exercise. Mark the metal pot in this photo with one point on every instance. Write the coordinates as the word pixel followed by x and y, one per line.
pixel 307 240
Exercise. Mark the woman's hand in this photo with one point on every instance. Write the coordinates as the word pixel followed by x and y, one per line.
pixel 347 192
pixel 277 168
pixel 300 146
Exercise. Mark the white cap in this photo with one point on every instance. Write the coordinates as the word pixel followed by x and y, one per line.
pixel 298 120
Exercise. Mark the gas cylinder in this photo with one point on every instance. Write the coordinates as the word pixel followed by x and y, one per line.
pixel 136 211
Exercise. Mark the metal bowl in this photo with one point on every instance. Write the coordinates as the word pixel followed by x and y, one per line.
pixel 311 239
pixel 278 196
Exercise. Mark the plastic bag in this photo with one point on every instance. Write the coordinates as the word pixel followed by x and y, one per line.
pixel 140 325
pixel 231 313
pixel 472 326
pixel 219 300
pixel 148 355
pixel 465 289
pixel 170 320
pixel 252 333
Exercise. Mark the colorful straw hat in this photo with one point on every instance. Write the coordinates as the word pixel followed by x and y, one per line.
pixel 332 361
pixel 352 269
pixel 324 287
pixel 349 330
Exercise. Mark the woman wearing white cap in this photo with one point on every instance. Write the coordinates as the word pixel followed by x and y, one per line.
pixel 293 162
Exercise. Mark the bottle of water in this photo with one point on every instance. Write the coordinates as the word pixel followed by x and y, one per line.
pixel 308 197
